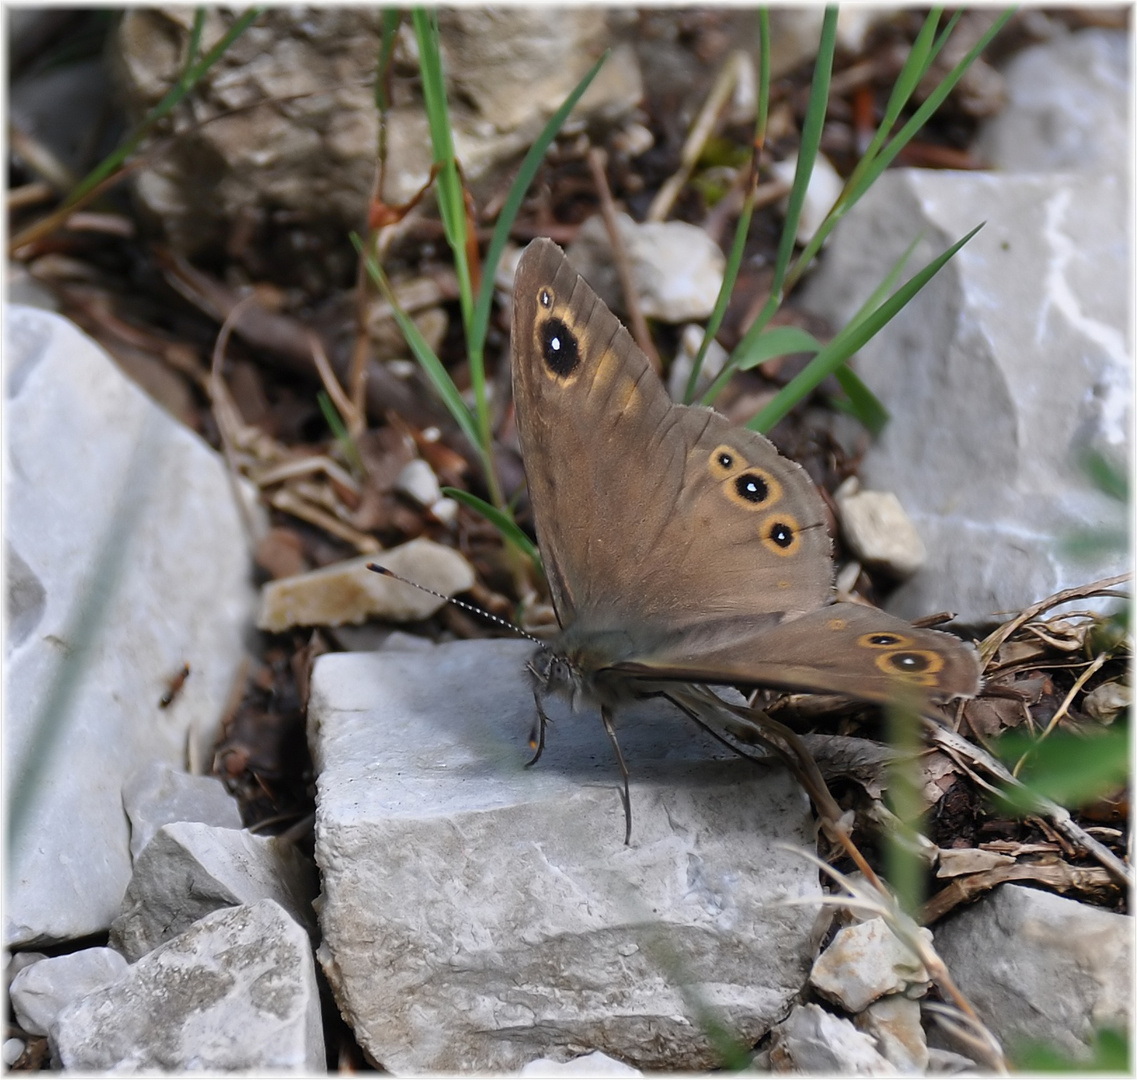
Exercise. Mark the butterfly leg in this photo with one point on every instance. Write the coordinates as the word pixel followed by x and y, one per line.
pixel 626 794
pixel 537 735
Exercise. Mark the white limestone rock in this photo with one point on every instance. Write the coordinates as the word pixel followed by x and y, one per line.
pixel 157 795
pixel 94 467
pixel 190 869
pixel 684 360
pixel 40 992
pixel 477 914
pixel 878 530
pixel 1010 364
pixel 1068 106
pixel 1041 967
pixel 865 961
pixel 515 65
pixel 813 1041
pixel 894 1021
pixel 235 992
pixel 593 1065
pixel 307 154
pixel 676 268
pixel 821 193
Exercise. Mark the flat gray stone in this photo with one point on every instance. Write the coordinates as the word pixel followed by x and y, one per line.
pixel 158 795
pixel 190 869
pixel 1011 363
pixel 91 463
pixel 477 914
pixel 235 992
pixel 39 992
pixel 1041 967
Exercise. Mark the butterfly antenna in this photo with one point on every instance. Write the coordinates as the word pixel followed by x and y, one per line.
pixel 457 603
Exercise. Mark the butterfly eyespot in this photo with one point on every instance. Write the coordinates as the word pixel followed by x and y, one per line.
pixel 837 624
pixel 781 536
pixel 914 665
pixel 723 461
pixel 885 639
pixel 559 348
pixel 752 488
pixel 545 298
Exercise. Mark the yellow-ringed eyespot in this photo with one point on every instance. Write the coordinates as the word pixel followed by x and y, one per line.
pixel 724 461
pixel 560 349
pixel 912 665
pixel 752 489
pixel 780 534
pixel 884 639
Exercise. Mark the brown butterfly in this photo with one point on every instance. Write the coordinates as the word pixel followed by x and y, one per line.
pixel 678 547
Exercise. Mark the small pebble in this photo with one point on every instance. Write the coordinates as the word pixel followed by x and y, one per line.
pixel 13 1049
pixel 418 482
pixel 444 511
pixel 1104 703
pixel 879 531
pixel 825 185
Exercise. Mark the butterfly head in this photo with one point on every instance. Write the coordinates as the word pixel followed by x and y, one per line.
pixel 555 673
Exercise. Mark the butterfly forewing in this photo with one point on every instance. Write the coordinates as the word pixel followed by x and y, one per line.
pixel 649 514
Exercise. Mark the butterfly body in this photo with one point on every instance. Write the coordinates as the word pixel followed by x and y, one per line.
pixel 677 546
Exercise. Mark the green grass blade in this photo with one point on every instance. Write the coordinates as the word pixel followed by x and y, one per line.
pixel 809 146
pixel 389 19
pixel 779 341
pixel 916 66
pixel 808 149
pixel 529 166
pixel 1073 770
pixel 877 159
pixel 194 45
pixel 174 96
pixel 848 341
pixel 424 354
pixel 860 402
pixel 722 301
pixel 904 869
pixel 930 104
pixel 451 196
pixel 448 183
pixel 742 229
pixel 450 204
pixel 763 78
pixel 501 521
pixel 340 433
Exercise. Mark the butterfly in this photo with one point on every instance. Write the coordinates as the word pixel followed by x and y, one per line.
pixel 679 548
